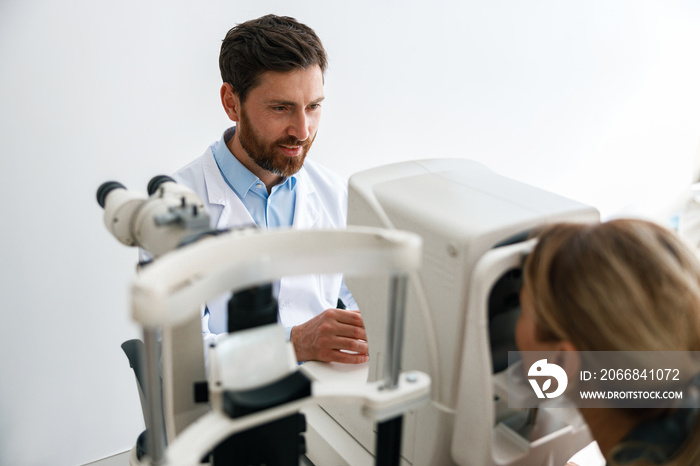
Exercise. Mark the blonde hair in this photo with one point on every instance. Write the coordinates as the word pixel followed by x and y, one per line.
pixel 623 285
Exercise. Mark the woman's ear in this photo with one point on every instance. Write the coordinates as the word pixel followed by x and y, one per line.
pixel 231 102
pixel 565 345
pixel 568 357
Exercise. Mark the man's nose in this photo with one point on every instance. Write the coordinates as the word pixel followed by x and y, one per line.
pixel 299 127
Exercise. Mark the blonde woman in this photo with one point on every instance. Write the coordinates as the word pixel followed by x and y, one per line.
pixel 624 285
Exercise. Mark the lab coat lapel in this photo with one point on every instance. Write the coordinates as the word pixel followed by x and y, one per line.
pixel 308 205
pixel 298 295
pixel 221 198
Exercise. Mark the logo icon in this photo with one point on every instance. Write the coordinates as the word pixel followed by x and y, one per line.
pixel 542 368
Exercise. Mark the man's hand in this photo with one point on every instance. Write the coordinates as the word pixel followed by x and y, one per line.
pixel 335 335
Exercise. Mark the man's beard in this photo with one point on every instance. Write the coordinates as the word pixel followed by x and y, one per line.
pixel 268 156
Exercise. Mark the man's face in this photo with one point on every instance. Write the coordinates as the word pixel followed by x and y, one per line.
pixel 279 119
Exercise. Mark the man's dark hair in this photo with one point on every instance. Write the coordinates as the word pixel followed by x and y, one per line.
pixel 269 43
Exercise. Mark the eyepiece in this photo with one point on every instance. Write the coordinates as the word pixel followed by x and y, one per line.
pixel 156 181
pixel 105 188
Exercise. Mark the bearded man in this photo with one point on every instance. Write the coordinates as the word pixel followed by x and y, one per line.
pixel 257 173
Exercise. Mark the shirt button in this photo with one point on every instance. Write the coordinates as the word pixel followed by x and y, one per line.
pixel 258 185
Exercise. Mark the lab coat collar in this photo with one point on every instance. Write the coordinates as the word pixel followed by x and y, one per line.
pixel 307 207
pixel 219 193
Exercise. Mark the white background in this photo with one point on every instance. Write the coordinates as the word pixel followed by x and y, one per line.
pixel 596 100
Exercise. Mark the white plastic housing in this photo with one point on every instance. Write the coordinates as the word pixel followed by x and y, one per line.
pixel 462 211
pixel 254 357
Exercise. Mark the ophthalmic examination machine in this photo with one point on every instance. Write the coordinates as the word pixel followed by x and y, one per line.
pixel 247 410
pixel 450 233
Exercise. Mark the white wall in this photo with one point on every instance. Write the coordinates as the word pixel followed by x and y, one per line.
pixel 597 100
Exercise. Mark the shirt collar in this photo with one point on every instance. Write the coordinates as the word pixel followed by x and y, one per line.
pixel 237 176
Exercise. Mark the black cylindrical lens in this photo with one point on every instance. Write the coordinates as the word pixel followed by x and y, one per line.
pixel 156 181
pixel 106 188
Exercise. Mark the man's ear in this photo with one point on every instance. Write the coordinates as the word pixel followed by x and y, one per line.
pixel 231 102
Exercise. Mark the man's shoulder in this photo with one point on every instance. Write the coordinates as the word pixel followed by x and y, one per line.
pixel 328 191
pixel 318 174
pixel 194 170
pixel 194 165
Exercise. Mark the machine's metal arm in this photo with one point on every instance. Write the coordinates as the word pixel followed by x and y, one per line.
pixel 174 287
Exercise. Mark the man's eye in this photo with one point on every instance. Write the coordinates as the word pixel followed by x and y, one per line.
pixel 315 106
pixel 280 108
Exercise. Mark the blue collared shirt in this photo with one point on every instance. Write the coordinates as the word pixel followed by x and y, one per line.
pixel 272 210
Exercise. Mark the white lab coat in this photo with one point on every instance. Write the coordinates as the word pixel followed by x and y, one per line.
pixel 321 202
